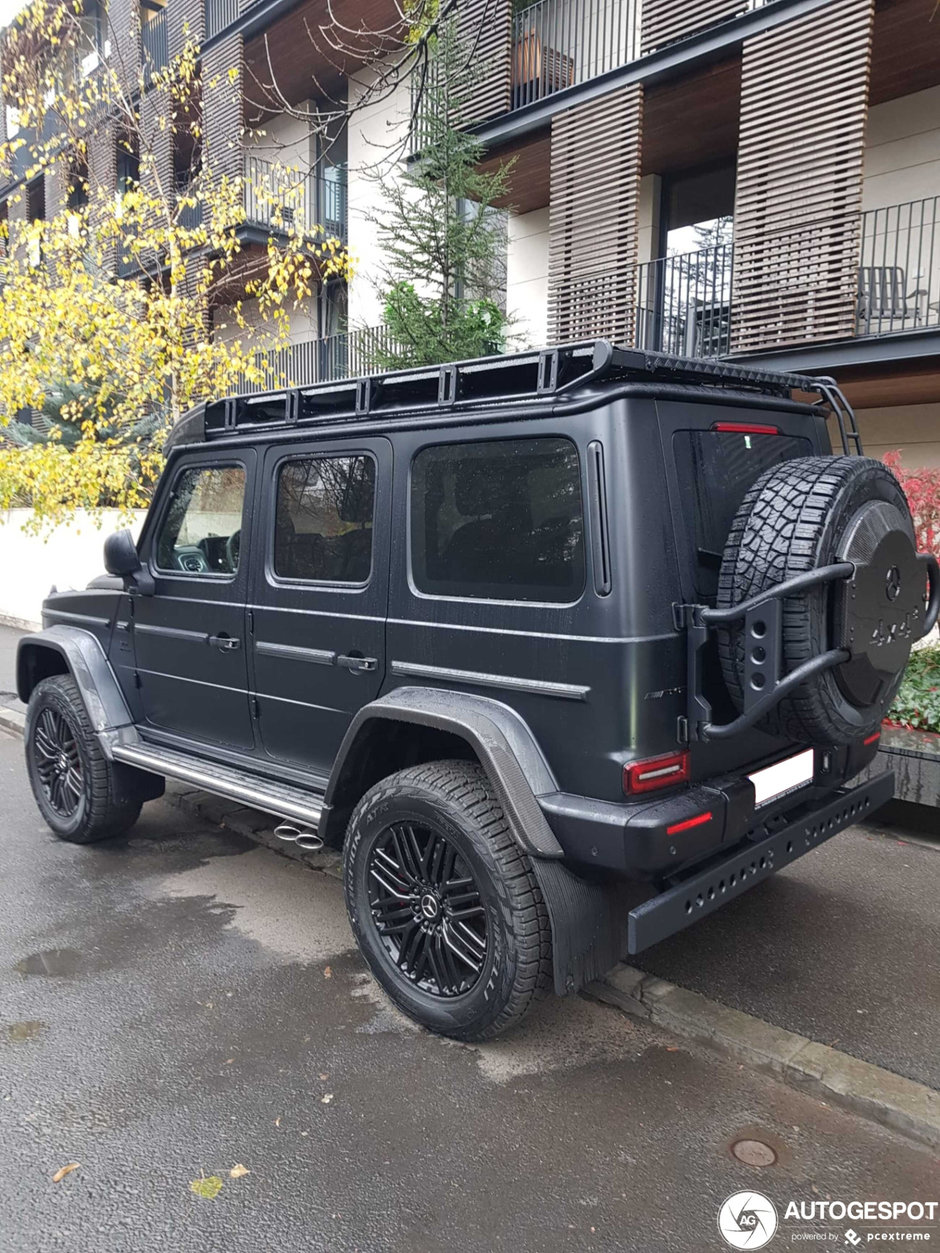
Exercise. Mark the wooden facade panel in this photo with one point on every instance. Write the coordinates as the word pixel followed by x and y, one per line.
pixel 799 180
pixel 665 21
pixel 595 176
pixel 485 28
pixel 223 85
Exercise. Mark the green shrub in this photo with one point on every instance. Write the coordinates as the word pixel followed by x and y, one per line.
pixel 917 704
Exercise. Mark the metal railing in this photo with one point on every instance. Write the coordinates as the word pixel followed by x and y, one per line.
pixel 899 271
pixel 219 14
pixel 348 354
pixel 278 198
pixel 684 303
pixel 558 43
pixel 153 42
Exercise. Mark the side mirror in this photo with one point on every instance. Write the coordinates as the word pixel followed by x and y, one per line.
pixel 120 554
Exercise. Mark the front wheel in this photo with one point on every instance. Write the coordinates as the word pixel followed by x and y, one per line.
pixel 443 902
pixel 73 782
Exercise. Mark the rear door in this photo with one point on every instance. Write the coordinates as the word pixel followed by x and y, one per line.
pixel 319 595
pixel 189 636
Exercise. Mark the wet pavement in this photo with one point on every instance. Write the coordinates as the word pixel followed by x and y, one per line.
pixel 843 946
pixel 180 1002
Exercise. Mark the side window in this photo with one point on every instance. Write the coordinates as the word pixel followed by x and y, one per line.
pixel 323 526
pixel 201 531
pixel 500 520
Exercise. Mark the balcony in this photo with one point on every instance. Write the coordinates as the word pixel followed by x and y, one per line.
pixel 684 303
pixel 346 355
pixel 558 43
pixel 276 198
pixel 153 44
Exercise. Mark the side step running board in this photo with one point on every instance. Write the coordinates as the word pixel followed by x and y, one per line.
pixel 271 797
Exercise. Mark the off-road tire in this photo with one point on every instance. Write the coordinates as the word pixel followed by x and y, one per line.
pixel 791 521
pixel 456 799
pixel 105 809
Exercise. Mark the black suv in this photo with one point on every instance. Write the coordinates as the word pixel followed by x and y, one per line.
pixel 516 634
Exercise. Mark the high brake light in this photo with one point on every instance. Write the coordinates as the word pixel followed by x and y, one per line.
pixel 656 772
pixel 746 428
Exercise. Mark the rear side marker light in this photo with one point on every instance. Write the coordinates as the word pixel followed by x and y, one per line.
pixel 745 428
pixel 647 776
pixel 698 821
pixel 873 738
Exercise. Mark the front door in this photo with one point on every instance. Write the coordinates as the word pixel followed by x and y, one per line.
pixel 319 595
pixel 190 654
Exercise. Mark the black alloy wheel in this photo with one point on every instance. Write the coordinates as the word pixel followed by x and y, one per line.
pixel 58 762
pixel 427 909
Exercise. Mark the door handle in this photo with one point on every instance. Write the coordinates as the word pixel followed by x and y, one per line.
pixel 358 665
pixel 226 643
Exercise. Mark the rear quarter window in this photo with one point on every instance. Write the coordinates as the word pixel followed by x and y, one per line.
pixel 715 470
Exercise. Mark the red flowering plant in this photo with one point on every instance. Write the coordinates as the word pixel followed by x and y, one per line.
pixel 917 704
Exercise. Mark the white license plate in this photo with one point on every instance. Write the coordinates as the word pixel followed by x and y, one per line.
pixel 784 777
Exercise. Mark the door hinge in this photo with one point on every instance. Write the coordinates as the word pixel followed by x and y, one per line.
pixel 137 683
pixel 255 708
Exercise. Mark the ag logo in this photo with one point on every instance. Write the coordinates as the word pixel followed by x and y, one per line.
pixel 747 1220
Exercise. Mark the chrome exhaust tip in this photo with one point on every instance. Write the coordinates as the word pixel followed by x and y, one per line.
pixel 309 841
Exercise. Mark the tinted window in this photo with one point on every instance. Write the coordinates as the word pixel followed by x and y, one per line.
pixel 500 520
pixel 201 532
pixel 323 531
pixel 715 470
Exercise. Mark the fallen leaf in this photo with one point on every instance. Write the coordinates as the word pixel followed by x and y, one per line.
pixel 238 1170
pixel 208 1189
pixel 672 1048
pixel 66 1170
pixel 324 1076
pixel 325 1100
pixel 229 1061
pixel 277 1122
pixel 327 973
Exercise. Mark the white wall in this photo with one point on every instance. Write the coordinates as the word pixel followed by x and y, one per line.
pixel 914 430
pixel 376 144
pixel 527 277
pixel 285 139
pixel 29 565
pixel 902 150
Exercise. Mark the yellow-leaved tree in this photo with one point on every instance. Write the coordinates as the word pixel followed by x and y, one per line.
pixel 124 299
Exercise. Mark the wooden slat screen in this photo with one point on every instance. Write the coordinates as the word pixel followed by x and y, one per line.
pixel 485 28
pixel 799 182
pixel 665 21
pixel 595 176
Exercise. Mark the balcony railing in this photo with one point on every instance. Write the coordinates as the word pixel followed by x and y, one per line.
pixel 899 274
pixel 557 43
pixel 276 198
pixel 153 43
pixel 219 14
pixel 345 355
pixel 684 302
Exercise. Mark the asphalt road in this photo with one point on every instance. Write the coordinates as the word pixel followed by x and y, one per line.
pixel 181 1001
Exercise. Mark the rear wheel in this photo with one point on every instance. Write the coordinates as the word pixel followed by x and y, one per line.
pixel 443 902
pixel 73 782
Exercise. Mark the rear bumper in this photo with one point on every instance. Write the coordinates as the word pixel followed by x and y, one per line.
pixel 727 876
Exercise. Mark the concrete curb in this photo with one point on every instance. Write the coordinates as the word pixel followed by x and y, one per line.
pixel 878 1095
pixel 12 720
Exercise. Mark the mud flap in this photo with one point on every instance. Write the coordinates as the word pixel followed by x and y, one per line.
pixel 589 924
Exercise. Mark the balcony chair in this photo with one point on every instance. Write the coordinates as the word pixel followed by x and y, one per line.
pixel 882 297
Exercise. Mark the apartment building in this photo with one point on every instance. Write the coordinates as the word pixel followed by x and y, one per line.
pixel 751 179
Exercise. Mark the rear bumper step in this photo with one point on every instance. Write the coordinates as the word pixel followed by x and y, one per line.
pixel 258 793
pixel 704 891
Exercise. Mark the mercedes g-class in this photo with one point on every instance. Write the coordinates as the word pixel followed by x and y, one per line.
pixel 515 634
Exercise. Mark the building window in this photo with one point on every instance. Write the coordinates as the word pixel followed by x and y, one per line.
pixel 323 527
pixel 500 520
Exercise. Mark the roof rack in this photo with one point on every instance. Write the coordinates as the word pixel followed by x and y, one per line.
pixel 516 378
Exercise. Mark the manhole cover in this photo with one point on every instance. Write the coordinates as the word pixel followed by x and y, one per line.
pixel 753 1152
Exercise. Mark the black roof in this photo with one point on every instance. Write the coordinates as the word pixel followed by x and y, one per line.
pixel 536 377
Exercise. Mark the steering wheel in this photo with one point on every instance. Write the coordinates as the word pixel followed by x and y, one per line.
pixel 192 560
pixel 233 550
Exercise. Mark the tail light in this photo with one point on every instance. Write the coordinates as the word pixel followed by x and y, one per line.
pixel 655 772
